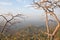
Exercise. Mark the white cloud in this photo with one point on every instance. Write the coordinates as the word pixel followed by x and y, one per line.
pixel 28 6
pixel 18 0
pixel 5 3
pixel 4 0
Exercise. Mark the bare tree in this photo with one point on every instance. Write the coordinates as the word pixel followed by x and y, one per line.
pixel 48 6
pixel 10 20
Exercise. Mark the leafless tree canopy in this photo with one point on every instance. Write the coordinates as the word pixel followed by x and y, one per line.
pixel 10 20
pixel 48 6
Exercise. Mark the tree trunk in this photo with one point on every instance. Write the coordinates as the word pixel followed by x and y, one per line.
pixel 57 27
pixel 47 24
pixel 52 38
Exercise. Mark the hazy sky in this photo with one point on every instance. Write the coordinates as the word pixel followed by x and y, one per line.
pixel 20 6
pixel 16 6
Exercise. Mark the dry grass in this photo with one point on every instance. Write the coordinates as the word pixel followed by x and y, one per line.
pixel 29 33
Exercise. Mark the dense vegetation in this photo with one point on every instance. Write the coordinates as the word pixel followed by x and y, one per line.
pixel 28 33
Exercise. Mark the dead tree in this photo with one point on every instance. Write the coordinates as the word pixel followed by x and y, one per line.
pixel 9 21
pixel 48 6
